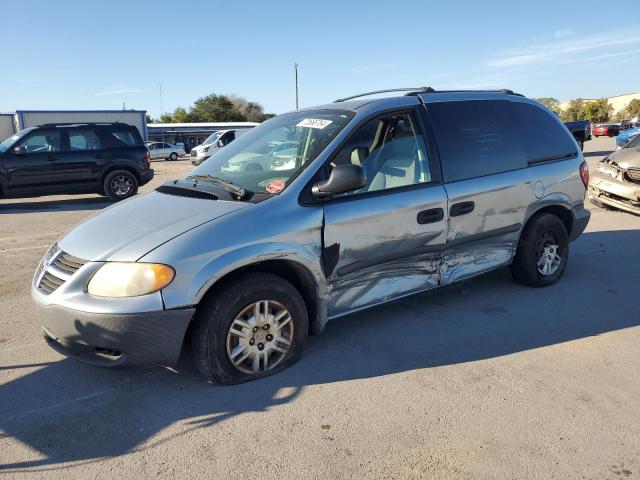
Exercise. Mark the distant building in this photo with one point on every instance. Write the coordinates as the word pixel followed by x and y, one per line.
pixel 20 119
pixel 619 102
pixel 191 134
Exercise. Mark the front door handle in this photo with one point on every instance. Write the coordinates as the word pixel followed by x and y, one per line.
pixel 98 155
pixel 52 157
pixel 432 215
pixel 461 208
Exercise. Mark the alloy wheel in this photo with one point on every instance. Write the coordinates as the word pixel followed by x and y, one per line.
pixel 548 259
pixel 121 185
pixel 260 337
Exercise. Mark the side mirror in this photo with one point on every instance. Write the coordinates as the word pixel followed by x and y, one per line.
pixel 219 143
pixel 21 150
pixel 343 178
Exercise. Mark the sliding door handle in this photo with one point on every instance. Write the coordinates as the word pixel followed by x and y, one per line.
pixel 461 208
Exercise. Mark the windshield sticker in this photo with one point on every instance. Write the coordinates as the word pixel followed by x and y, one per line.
pixel 314 123
pixel 275 186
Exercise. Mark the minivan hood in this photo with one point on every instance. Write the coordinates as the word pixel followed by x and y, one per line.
pixel 626 157
pixel 129 230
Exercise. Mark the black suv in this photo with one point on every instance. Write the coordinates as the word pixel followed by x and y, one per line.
pixel 106 158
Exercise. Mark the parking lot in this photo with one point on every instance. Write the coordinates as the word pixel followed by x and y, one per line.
pixel 486 379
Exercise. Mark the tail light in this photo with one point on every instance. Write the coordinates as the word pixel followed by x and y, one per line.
pixel 584 174
pixel 147 159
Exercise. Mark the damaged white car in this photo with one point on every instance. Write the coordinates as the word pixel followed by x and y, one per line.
pixel 616 182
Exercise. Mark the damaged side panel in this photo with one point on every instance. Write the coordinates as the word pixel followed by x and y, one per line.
pixel 381 283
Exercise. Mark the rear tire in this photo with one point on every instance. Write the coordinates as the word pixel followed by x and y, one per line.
pixel 173 157
pixel 580 143
pixel 120 184
pixel 226 329
pixel 542 252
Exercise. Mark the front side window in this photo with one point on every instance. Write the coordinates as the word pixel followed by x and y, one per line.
pixel 42 142
pixel 84 140
pixel 252 162
pixel 391 151
pixel 476 138
pixel 13 139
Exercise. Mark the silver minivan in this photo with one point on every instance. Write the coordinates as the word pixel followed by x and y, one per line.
pixel 387 197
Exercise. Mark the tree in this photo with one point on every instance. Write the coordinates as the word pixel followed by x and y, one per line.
pixel 180 115
pixel 214 108
pixel 633 108
pixel 573 110
pixel 166 118
pixel 148 119
pixel 552 104
pixel 598 111
pixel 251 111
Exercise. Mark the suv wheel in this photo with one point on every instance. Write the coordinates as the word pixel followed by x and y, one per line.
pixel 542 253
pixel 580 143
pixel 173 157
pixel 120 184
pixel 249 329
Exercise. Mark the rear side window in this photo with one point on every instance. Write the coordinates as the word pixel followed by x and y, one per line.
pixel 120 137
pixel 544 138
pixel 476 138
pixel 84 139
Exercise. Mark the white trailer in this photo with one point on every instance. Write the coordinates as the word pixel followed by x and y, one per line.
pixel 33 118
pixel 7 126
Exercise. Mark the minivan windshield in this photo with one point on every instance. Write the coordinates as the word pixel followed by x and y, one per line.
pixel 264 159
pixel 9 142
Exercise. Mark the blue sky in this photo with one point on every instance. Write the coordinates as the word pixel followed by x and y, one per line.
pixel 96 55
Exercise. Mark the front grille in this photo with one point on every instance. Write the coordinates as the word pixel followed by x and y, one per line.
pixel 50 283
pixel 68 263
pixel 634 174
pixel 58 268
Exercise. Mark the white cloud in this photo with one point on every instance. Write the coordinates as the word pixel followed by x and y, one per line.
pixel 116 92
pixel 567 51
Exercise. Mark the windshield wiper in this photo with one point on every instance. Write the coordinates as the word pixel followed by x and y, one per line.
pixel 237 190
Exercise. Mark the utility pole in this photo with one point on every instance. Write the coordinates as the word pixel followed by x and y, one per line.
pixel 295 67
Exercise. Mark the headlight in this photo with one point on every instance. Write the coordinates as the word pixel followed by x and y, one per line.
pixel 115 279
pixel 205 149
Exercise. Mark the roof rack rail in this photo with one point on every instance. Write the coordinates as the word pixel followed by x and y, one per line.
pixel 506 91
pixel 66 124
pixel 412 91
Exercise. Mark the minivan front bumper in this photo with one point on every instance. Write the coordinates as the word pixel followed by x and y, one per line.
pixel 114 340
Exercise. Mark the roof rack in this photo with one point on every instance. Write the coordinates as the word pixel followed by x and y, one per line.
pixel 419 90
pixel 71 124
pixel 506 91
pixel 412 91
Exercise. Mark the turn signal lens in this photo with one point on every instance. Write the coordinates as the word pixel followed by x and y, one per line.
pixel 119 279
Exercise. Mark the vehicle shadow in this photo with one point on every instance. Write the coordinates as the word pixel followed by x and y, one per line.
pixel 69 412
pixel 19 205
pixel 601 153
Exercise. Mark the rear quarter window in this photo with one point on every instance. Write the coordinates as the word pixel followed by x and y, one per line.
pixel 123 137
pixel 543 136
pixel 476 138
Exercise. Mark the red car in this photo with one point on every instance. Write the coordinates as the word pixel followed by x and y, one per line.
pixel 603 130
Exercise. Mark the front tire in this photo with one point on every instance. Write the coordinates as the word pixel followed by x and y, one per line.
pixel 249 329
pixel 173 157
pixel 120 184
pixel 542 252
pixel 580 143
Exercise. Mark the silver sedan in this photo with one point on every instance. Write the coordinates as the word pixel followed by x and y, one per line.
pixel 165 151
